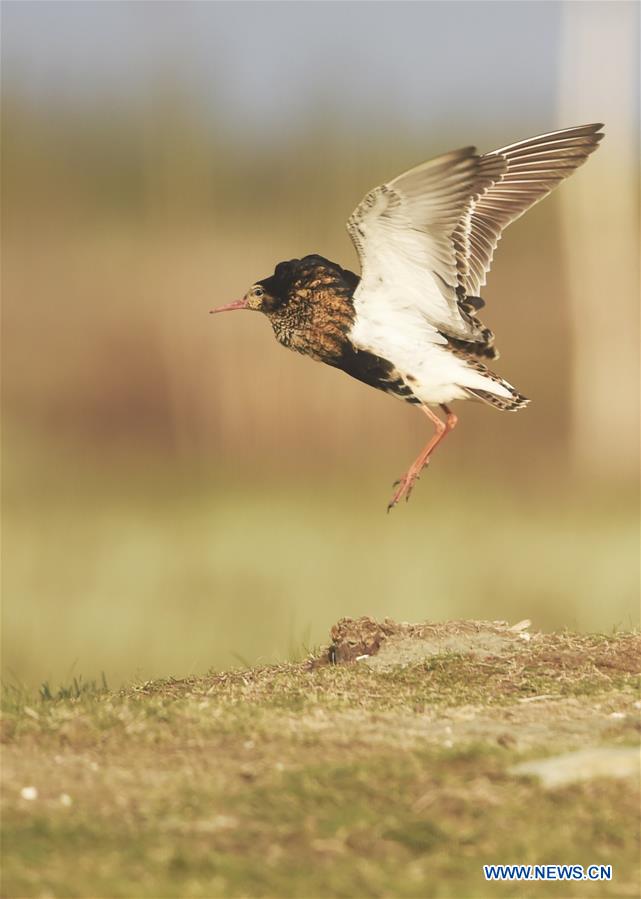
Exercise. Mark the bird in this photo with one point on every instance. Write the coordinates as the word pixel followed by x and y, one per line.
pixel 409 324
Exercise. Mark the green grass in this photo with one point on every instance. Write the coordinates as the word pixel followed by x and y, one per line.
pixel 341 781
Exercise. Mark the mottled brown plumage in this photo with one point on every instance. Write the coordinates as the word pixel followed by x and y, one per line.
pixel 309 305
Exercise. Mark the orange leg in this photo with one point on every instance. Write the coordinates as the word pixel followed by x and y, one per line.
pixel 406 483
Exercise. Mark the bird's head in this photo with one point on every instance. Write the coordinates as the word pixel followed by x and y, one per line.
pixel 267 295
pixel 256 298
pixel 302 298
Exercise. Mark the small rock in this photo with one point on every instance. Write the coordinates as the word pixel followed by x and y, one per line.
pixel 585 764
pixel 224 822
pixel 541 698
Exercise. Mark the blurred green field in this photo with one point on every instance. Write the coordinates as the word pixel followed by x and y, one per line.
pixel 159 570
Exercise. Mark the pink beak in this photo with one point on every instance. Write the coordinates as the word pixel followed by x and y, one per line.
pixel 239 304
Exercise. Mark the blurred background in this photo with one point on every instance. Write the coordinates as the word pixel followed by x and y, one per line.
pixel 182 493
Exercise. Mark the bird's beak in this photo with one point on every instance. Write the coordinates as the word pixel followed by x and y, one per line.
pixel 239 304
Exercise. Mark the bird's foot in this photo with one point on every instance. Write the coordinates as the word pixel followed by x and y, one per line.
pixel 405 487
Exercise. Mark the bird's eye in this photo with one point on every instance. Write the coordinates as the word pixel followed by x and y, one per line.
pixel 258 291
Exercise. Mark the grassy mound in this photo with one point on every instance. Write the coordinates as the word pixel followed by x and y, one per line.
pixel 385 765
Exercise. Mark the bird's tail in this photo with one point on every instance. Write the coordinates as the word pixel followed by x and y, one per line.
pixel 511 403
pixel 483 384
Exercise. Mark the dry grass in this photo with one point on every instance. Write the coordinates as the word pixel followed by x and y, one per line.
pixel 336 780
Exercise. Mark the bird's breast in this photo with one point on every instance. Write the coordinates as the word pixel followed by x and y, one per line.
pixel 316 321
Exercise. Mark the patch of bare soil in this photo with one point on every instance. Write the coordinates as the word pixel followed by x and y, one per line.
pixel 387 644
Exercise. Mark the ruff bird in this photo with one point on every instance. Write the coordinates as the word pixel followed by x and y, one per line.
pixel 409 325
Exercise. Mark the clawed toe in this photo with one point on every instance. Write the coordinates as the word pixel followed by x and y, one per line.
pixel 405 486
pixel 404 490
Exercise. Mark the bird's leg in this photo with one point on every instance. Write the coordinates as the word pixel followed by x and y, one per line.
pixel 406 483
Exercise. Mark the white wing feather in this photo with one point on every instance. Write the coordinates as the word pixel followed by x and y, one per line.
pixel 403 232
pixel 435 228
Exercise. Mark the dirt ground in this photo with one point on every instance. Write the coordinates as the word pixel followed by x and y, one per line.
pixel 395 761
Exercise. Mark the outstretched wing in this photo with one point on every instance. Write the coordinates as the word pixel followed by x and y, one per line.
pixel 404 231
pixel 533 168
pixel 432 232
